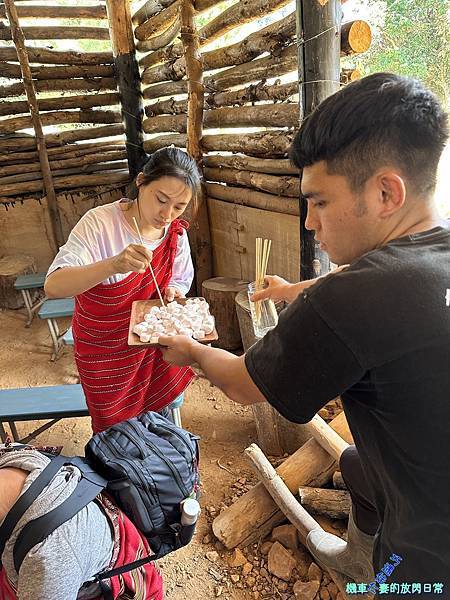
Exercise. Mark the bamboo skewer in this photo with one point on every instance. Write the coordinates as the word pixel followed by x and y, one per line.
pixel 262 260
pixel 149 264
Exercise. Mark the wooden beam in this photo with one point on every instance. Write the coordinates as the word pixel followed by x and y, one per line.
pixel 50 32
pixel 70 150
pixel 158 23
pixel 27 142
pixel 62 72
pixel 194 72
pixel 318 26
pixel 58 12
pixel 56 57
pixel 128 80
pixel 283 185
pixel 162 39
pixel 150 8
pixel 62 85
pixel 64 162
pixel 248 163
pixel 19 42
pixel 252 198
pixel 59 117
pixel 87 101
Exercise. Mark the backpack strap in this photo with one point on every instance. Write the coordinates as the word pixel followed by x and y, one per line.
pixel 34 532
pixel 24 502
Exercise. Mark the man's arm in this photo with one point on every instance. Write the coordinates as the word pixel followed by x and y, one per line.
pixel 223 369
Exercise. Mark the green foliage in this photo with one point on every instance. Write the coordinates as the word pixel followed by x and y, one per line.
pixel 413 40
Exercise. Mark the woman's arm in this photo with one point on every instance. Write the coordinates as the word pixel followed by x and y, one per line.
pixel 71 281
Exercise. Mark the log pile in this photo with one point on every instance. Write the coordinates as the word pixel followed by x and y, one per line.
pixel 243 91
pixel 77 100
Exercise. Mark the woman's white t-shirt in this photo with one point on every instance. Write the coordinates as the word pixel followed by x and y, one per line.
pixel 103 232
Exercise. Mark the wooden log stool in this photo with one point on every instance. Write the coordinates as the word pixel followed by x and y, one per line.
pixel 12 267
pixel 220 293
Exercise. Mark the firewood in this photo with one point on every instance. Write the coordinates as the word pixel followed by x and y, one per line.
pixel 263 115
pixel 255 514
pixel 86 101
pixel 57 57
pixel 247 197
pixel 59 85
pixel 283 185
pixel 13 71
pixel 356 37
pixel 349 75
pixel 338 481
pixel 50 32
pixel 331 503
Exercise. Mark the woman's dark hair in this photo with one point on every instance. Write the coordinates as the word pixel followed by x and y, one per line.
pixel 172 162
pixel 383 119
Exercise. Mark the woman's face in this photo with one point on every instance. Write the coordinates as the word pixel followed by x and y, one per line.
pixel 163 200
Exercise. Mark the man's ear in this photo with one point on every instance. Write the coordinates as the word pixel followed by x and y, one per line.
pixel 140 178
pixel 392 193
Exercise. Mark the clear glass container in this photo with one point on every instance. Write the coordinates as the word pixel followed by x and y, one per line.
pixel 264 313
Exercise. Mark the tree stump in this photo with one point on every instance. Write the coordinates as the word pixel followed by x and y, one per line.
pixel 220 293
pixel 10 268
pixel 276 435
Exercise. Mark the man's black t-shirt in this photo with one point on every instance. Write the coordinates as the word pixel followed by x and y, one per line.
pixel 378 334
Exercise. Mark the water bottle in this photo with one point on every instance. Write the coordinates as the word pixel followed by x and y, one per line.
pixel 190 510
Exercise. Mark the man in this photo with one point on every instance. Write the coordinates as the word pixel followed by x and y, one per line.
pixel 63 566
pixel 377 332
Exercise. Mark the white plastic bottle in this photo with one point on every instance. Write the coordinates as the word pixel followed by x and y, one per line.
pixel 190 511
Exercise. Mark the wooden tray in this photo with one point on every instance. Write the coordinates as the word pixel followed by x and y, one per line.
pixel 141 307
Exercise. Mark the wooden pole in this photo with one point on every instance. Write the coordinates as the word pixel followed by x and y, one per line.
pixel 194 72
pixel 318 28
pixel 128 79
pixel 19 42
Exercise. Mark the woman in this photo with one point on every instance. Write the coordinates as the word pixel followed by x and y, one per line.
pixel 104 265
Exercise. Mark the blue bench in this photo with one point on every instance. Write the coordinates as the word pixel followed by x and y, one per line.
pixel 51 310
pixel 25 283
pixel 67 338
pixel 29 404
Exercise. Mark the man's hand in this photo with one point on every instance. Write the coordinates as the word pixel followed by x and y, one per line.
pixel 171 293
pixel 134 257
pixel 277 289
pixel 178 349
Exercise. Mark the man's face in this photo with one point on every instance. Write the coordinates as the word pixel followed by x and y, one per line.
pixel 345 223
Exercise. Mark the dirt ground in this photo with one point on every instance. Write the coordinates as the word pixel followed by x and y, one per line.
pixel 225 429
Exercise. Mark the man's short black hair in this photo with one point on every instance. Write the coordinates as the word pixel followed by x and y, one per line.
pixel 383 119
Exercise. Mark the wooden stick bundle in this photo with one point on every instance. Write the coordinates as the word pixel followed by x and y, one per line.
pixel 262 259
pixel 149 264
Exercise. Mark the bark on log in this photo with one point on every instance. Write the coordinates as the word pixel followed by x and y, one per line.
pixel 58 12
pixel 158 23
pixel 220 293
pixel 63 163
pixel 356 37
pixel 201 235
pixel 50 32
pixel 349 75
pixel 61 85
pixel 331 503
pixel 247 163
pixel 56 57
pixel 246 197
pixel 71 150
pixel 86 101
pixel 87 168
pixel 255 514
pixel 18 38
pixel 71 181
pixel 10 268
pixel 150 8
pixel 58 117
pixel 165 89
pixel 338 481
pixel 60 139
pixel 13 71
pixel 270 144
pixel 270 39
pixel 161 40
pixel 282 185
pixel 263 115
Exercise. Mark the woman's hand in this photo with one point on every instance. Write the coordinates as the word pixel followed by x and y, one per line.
pixel 134 257
pixel 171 293
pixel 277 289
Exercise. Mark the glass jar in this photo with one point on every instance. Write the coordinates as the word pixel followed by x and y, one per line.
pixel 263 312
